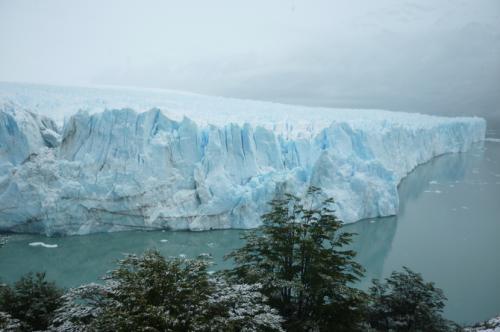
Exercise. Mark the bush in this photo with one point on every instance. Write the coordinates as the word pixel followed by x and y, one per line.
pixel 9 324
pixel 405 302
pixel 32 300
pixel 150 293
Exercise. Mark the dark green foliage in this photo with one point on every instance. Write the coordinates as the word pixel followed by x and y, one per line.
pixel 32 300
pixel 149 293
pixel 9 324
pixel 148 287
pixel 298 257
pixel 405 302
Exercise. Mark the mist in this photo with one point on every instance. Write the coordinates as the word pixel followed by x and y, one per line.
pixel 440 57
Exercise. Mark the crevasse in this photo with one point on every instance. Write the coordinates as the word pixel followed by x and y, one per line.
pixel 120 169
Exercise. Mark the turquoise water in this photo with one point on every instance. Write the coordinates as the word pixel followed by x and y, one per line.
pixel 448 228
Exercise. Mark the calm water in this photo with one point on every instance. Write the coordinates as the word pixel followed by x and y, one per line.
pixel 448 228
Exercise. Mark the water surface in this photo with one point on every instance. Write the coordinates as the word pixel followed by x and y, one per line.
pixel 448 228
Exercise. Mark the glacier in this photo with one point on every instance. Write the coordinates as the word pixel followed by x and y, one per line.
pixel 82 160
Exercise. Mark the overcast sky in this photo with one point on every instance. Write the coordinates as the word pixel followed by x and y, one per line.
pixel 435 56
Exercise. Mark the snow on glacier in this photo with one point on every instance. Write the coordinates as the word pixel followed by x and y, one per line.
pixel 153 159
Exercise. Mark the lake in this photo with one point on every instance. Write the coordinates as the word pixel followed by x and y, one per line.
pixel 448 228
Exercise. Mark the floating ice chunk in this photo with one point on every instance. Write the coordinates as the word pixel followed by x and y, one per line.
pixel 164 240
pixel 211 244
pixel 182 256
pixel 465 207
pixel 372 221
pixel 433 182
pixel 495 140
pixel 42 244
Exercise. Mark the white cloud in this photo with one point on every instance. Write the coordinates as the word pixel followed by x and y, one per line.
pixel 429 56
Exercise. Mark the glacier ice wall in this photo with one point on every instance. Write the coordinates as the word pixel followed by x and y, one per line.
pixel 23 133
pixel 121 169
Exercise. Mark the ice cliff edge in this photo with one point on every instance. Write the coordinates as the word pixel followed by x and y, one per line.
pixel 120 169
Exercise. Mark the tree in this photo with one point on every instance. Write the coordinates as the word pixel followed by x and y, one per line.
pixel 242 307
pixel 150 293
pixel 299 258
pixel 81 307
pixel 9 324
pixel 32 301
pixel 405 302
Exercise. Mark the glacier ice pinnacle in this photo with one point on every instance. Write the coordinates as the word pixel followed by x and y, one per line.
pixel 188 166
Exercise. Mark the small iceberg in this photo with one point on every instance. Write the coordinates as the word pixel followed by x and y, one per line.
pixel 41 244
pixel 163 240
pixel 496 140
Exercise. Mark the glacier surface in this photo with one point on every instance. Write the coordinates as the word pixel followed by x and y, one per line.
pixel 120 159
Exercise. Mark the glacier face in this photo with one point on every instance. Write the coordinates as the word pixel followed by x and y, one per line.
pixel 23 133
pixel 187 166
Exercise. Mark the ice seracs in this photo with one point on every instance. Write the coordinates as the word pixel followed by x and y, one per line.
pixel 181 168
pixel 23 133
